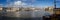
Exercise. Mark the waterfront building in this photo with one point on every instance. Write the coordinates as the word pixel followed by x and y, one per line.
pixel 12 9
pixel 1 8
pixel 49 9
pixel 57 10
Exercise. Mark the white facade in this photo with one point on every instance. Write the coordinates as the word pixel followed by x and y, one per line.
pixel 1 8
pixel 12 9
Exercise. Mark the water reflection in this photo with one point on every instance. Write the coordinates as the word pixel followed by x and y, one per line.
pixel 26 15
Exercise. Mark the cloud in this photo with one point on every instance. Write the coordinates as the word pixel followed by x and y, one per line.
pixel 8 0
pixel 33 1
pixel 19 3
pixel 1 5
pixel 24 0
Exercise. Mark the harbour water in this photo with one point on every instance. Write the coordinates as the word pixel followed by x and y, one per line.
pixel 24 15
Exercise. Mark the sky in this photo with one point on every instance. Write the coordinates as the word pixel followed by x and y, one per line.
pixel 29 3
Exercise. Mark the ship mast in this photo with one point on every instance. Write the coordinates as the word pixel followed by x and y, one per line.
pixel 55 3
pixel 54 6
